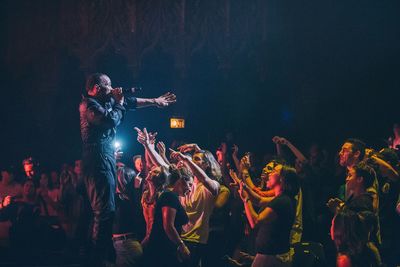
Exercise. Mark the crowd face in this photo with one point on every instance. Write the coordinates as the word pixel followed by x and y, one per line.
pixel 346 155
pixel 183 186
pixel 138 164
pixel 199 160
pixel 104 86
pixel 274 177
pixel 267 170
pixel 29 169
pixel 351 180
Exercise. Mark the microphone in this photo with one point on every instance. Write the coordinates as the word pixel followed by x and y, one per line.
pixel 131 91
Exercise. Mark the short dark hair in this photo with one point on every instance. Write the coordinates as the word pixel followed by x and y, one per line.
pixel 92 79
pixel 365 171
pixel 357 145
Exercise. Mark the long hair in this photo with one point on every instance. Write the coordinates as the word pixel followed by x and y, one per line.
pixel 214 169
pixel 289 181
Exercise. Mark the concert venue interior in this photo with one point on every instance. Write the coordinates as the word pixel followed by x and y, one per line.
pixel 311 86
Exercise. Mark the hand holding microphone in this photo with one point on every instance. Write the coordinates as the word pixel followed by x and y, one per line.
pixel 118 95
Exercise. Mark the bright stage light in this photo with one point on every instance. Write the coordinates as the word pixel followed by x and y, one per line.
pixel 117 145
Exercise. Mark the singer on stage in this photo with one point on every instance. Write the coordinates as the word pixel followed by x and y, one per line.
pixel 101 111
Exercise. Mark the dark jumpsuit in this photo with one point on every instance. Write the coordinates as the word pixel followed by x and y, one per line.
pixel 98 121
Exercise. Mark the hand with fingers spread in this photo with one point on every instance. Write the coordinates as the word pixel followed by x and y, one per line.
pixel 189 148
pixel 145 138
pixel 165 100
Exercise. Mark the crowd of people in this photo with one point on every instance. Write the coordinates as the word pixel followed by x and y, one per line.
pixel 198 208
pixel 186 206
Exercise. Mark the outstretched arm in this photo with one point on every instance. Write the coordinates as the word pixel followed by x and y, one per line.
pixel 386 169
pixel 295 151
pixel 160 102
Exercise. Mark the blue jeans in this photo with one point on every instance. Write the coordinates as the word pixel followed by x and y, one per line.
pixel 128 252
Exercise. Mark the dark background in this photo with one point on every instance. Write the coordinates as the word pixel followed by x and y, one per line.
pixel 308 70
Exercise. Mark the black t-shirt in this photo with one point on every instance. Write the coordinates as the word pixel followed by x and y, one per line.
pixel 158 238
pixel 128 217
pixel 273 237
pixel 128 214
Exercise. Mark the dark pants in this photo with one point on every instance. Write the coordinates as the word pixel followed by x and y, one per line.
pixel 197 251
pixel 99 175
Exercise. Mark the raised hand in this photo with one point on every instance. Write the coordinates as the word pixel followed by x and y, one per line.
pixel 188 148
pixel 145 138
pixel 178 156
pixel 165 100
pixel 284 141
pixel 161 148
pixel 245 162
pixel 118 95
pixel 276 140
pixel 234 177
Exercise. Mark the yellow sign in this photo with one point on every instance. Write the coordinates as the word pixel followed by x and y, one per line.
pixel 177 123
